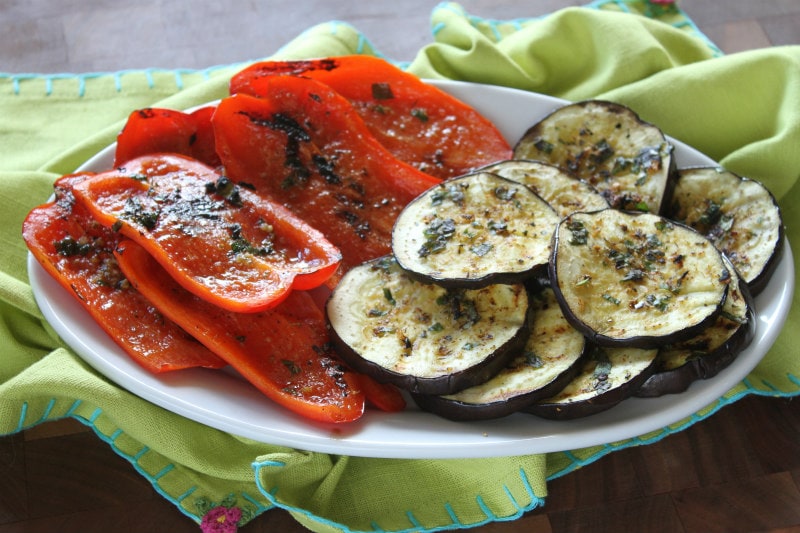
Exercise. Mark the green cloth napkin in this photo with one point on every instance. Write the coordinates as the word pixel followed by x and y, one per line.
pixel 740 109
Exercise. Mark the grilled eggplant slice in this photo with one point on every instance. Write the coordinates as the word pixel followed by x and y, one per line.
pixel 628 160
pixel 558 187
pixel 548 362
pixel 636 279
pixel 705 355
pixel 423 337
pixel 473 231
pixel 608 376
pixel 739 215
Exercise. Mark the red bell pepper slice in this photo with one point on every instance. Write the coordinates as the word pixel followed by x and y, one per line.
pixel 384 396
pixel 305 146
pixel 284 351
pixel 221 241
pixel 78 253
pixel 417 122
pixel 159 130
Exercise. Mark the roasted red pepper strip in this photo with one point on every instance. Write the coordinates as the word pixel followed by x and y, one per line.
pixel 306 147
pixel 158 130
pixel 219 240
pixel 384 396
pixel 284 351
pixel 417 122
pixel 78 253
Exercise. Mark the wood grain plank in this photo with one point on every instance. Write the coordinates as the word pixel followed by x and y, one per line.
pixel 79 472
pixel 654 515
pixel 761 504
pixel 13 489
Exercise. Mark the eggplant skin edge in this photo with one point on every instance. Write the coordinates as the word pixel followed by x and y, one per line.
pixel 679 379
pixel 594 405
pixel 479 372
pixel 446 384
pixel 758 282
pixel 670 174
pixel 462 411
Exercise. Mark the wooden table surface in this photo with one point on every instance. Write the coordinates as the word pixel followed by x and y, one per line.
pixel 738 471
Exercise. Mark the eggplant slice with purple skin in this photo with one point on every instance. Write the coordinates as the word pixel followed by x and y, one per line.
pixel 558 187
pixel 636 279
pixel 425 338
pixel 607 377
pixel 739 215
pixel 713 349
pixel 474 230
pixel 628 160
pixel 549 360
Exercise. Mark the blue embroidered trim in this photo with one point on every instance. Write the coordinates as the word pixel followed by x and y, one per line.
pixel 23 412
pixel 417 527
pixel 118 76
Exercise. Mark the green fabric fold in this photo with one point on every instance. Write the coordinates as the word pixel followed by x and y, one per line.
pixel 739 109
pixel 560 55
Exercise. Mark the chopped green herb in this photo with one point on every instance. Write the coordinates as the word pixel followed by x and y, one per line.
pixel 420 114
pixel 633 274
pixel 660 302
pixel 481 249
pixel 387 294
pixel 498 227
pixel 602 152
pixel 452 193
pixel 382 91
pixel 601 370
pixel 438 232
pixel 240 245
pixel 136 212
pixel 533 360
pixel 505 193
pixel 70 247
pixel 292 366
pixel 543 146
pixel 733 318
pixel 580 235
pixel 382 331
pixel 461 308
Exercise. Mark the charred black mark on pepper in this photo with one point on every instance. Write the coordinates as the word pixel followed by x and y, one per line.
pixel 361 227
pixel 326 169
pixel 295 135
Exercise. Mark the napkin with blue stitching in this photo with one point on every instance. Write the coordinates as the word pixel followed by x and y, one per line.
pixel 740 109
